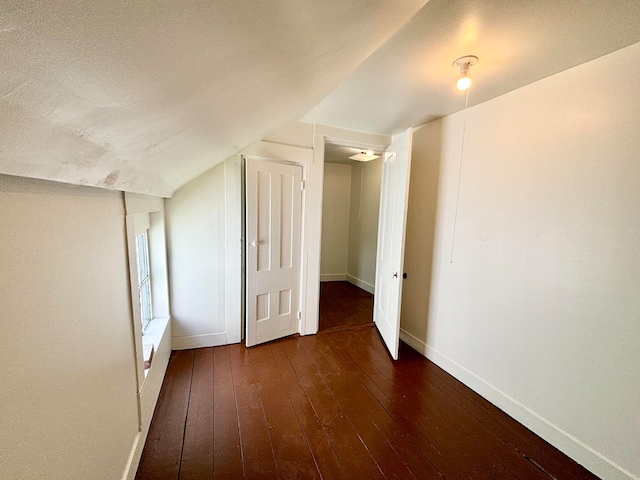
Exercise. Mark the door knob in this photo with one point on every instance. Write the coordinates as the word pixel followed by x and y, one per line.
pixel 395 275
pixel 254 243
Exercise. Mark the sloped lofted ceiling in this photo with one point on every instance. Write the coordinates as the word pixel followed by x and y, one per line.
pixel 410 80
pixel 144 96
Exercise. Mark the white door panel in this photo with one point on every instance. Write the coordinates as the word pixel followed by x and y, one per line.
pixel 394 194
pixel 274 205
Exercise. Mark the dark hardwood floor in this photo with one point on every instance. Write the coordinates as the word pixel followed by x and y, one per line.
pixel 344 304
pixel 333 406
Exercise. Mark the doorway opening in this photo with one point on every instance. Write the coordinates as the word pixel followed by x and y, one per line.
pixel 350 210
pixel 386 240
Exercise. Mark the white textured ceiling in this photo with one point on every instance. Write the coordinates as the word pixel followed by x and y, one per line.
pixel 410 80
pixel 143 96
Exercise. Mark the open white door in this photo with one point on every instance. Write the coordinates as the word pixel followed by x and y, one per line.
pixel 394 194
pixel 274 205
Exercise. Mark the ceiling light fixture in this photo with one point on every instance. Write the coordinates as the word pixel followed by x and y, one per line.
pixel 464 64
pixel 364 156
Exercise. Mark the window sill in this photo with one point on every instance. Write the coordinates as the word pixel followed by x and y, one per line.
pixel 153 334
pixel 159 333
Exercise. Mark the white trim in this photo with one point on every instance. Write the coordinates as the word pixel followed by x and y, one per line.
pixel 553 434
pixel 135 304
pixel 362 284
pixel 155 333
pixel 377 147
pixel 333 277
pixel 278 151
pixel 158 264
pixel 160 334
pixel 141 222
pixel 415 343
pixel 311 233
pixel 353 138
pixel 135 454
pixel 312 214
pixel 148 397
pixel 199 341
pixel 233 248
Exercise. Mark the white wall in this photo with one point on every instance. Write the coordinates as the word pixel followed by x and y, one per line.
pixel 363 226
pixel 539 310
pixel 68 396
pixel 200 218
pixel 336 198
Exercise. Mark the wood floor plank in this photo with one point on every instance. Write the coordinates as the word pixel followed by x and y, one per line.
pixel 325 456
pixel 449 463
pixel 455 444
pixel 342 303
pixel 425 448
pixel 496 447
pixel 227 454
pixel 257 454
pixel 364 407
pixel 353 454
pixel 291 450
pixel 406 436
pixel 363 421
pixel 197 451
pixel 529 445
pixel 163 449
pixel 331 314
pixel 529 448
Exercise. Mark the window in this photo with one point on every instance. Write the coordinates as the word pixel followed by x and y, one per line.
pixel 148 280
pixel 144 278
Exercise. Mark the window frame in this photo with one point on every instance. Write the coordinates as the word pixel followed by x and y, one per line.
pixel 145 296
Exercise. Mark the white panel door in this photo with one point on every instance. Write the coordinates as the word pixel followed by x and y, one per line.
pixel 394 195
pixel 274 205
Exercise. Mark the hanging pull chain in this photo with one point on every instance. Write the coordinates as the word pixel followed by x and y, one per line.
pixel 455 216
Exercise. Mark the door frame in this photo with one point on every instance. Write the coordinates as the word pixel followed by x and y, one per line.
pixel 348 138
pixel 312 162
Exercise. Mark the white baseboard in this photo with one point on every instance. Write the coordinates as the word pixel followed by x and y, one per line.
pixel 362 284
pixel 563 441
pixel 199 341
pixel 134 457
pixel 333 277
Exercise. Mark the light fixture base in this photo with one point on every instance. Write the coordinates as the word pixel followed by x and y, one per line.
pixel 466 60
pixel 364 156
